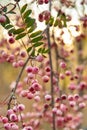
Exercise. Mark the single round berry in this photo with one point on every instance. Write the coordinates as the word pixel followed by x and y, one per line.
pixel 2 19
pixel 11 40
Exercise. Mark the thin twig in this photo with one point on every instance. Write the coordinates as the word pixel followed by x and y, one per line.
pixel 51 66
pixel 17 81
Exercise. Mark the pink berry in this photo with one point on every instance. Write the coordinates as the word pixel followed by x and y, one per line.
pixel 82 105
pixel 30 95
pixel 13 117
pixel 63 97
pixel 36 86
pixel 2 19
pixel 39 58
pixel 45 78
pixel 47 15
pixel 63 65
pixel 68 73
pixel 23 93
pixel 37 98
pixel 47 69
pixel 46 1
pixel 21 63
pixel 4 119
pixel 15 127
pixel 41 17
pixel 40 2
pixel 21 107
pixel 23 54
pixel 29 69
pixel 10 111
pixel 7 126
pixel 11 40
pixel 47 97
pixel 35 70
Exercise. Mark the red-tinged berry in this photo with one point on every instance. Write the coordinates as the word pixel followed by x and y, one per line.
pixel 21 107
pixel 2 19
pixel 13 117
pixel 41 17
pixel 39 58
pixel 46 1
pixel 45 78
pixel 11 40
pixel 40 2
pixel 47 97
pixel 4 119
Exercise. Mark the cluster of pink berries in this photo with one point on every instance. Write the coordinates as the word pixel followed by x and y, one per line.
pixel 40 2
pixel 45 15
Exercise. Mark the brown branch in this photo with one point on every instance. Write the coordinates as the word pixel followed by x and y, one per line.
pixel 17 81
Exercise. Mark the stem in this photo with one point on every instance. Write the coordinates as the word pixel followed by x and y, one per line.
pixel 51 66
pixel 17 81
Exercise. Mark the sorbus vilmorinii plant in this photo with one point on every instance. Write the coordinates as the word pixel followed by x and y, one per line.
pixel 44 43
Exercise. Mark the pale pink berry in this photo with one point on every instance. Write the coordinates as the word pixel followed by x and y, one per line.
pixel 62 76
pixel 72 103
pixel 35 70
pixel 54 110
pixel 21 107
pixel 45 78
pixel 7 126
pixel 76 96
pixel 2 19
pixel 24 93
pixel 10 111
pixel 47 97
pixel 30 95
pixel 39 58
pixel 14 127
pixel 82 105
pixel 27 128
pixel 13 117
pixel 59 112
pixel 47 15
pixel 4 119
pixel 21 63
pixel 82 85
pixel 11 40
pixel 37 98
pixel 36 86
pixel 23 54
pixel 68 73
pixel 15 109
pixel 30 75
pixel 63 65
pixel 63 108
pixel 70 98
pixel 15 64
pixel 40 2
pixel 29 69
pixel 72 86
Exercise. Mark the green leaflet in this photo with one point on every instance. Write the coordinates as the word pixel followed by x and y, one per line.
pixel 20 36
pixel 36 39
pixel 8 26
pixel 35 34
pixel 37 44
pixel 27 13
pixel 23 8
pixel 20 30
